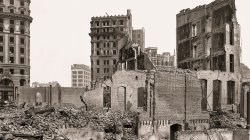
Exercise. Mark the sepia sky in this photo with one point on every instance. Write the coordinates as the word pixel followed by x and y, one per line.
pixel 60 28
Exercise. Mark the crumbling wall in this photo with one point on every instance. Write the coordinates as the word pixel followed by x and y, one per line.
pixel 68 95
pixel 124 90
pixel 170 90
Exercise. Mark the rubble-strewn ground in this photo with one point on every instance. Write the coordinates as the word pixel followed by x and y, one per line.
pixel 48 121
pixel 227 119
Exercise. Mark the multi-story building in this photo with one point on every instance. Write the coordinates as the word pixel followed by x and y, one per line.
pixel 164 59
pixel 14 47
pixel 107 38
pixel 208 40
pixel 80 75
pixel 139 38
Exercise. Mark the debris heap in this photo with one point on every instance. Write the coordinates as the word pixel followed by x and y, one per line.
pixel 48 121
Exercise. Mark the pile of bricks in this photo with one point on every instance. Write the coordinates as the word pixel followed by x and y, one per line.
pixel 49 120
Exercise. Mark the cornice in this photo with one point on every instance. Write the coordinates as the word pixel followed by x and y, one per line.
pixel 16 16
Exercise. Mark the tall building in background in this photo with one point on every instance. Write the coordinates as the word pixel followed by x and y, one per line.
pixel 208 40
pixel 80 76
pixel 107 38
pixel 14 47
pixel 138 36
pixel 164 59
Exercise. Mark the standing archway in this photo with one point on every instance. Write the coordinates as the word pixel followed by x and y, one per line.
pixel 173 131
pixel 6 90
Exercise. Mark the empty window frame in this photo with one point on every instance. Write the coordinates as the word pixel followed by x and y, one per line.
pixel 121 22
pixel 1 59
pixel 1 29
pixel 22 71
pixel 12 2
pixel 12 30
pixel 22 31
pixel 114 52
pixel 11 71
pixel 22 40
pixel 12 50
pixel 22 3
pixel 1 39
pixel 194 30
pixel 11 10
pixel 22 50
pixel 21 60
pixel 231 63
pixel 230 92
pixel 12 60
pixel 114 61
pixel 12 39
pixel 12 22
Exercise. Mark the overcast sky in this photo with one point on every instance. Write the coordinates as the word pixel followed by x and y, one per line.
pixel 60 28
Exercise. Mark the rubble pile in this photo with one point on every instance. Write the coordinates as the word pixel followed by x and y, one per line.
pixel 227 119
pixel 48 121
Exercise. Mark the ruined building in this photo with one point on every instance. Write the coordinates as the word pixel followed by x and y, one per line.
pixel 14 47
pixel 164 59
pixel 208 40
pixel 139 37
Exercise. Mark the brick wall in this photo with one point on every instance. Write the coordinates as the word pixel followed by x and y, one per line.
pixel 170 96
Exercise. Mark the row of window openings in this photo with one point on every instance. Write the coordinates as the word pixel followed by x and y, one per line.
pixel 80 76
pixel 12 60
pixel 106 37
pixel 12 11
pixel 107 23
pixel 12 50
pixel 79 72
pixel 12 2
pixel 12 30
pixel 106 52
pixel 106 44
pixel 105 62
pixel 12 22
pixel 105 70
pixel 108 30
pixel 80 80
pixel 22 72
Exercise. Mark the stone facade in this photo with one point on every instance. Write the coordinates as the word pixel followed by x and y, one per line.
pixel 208 40
pixel 15 23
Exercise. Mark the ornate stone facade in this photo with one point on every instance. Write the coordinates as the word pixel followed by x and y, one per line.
pixel 15 22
